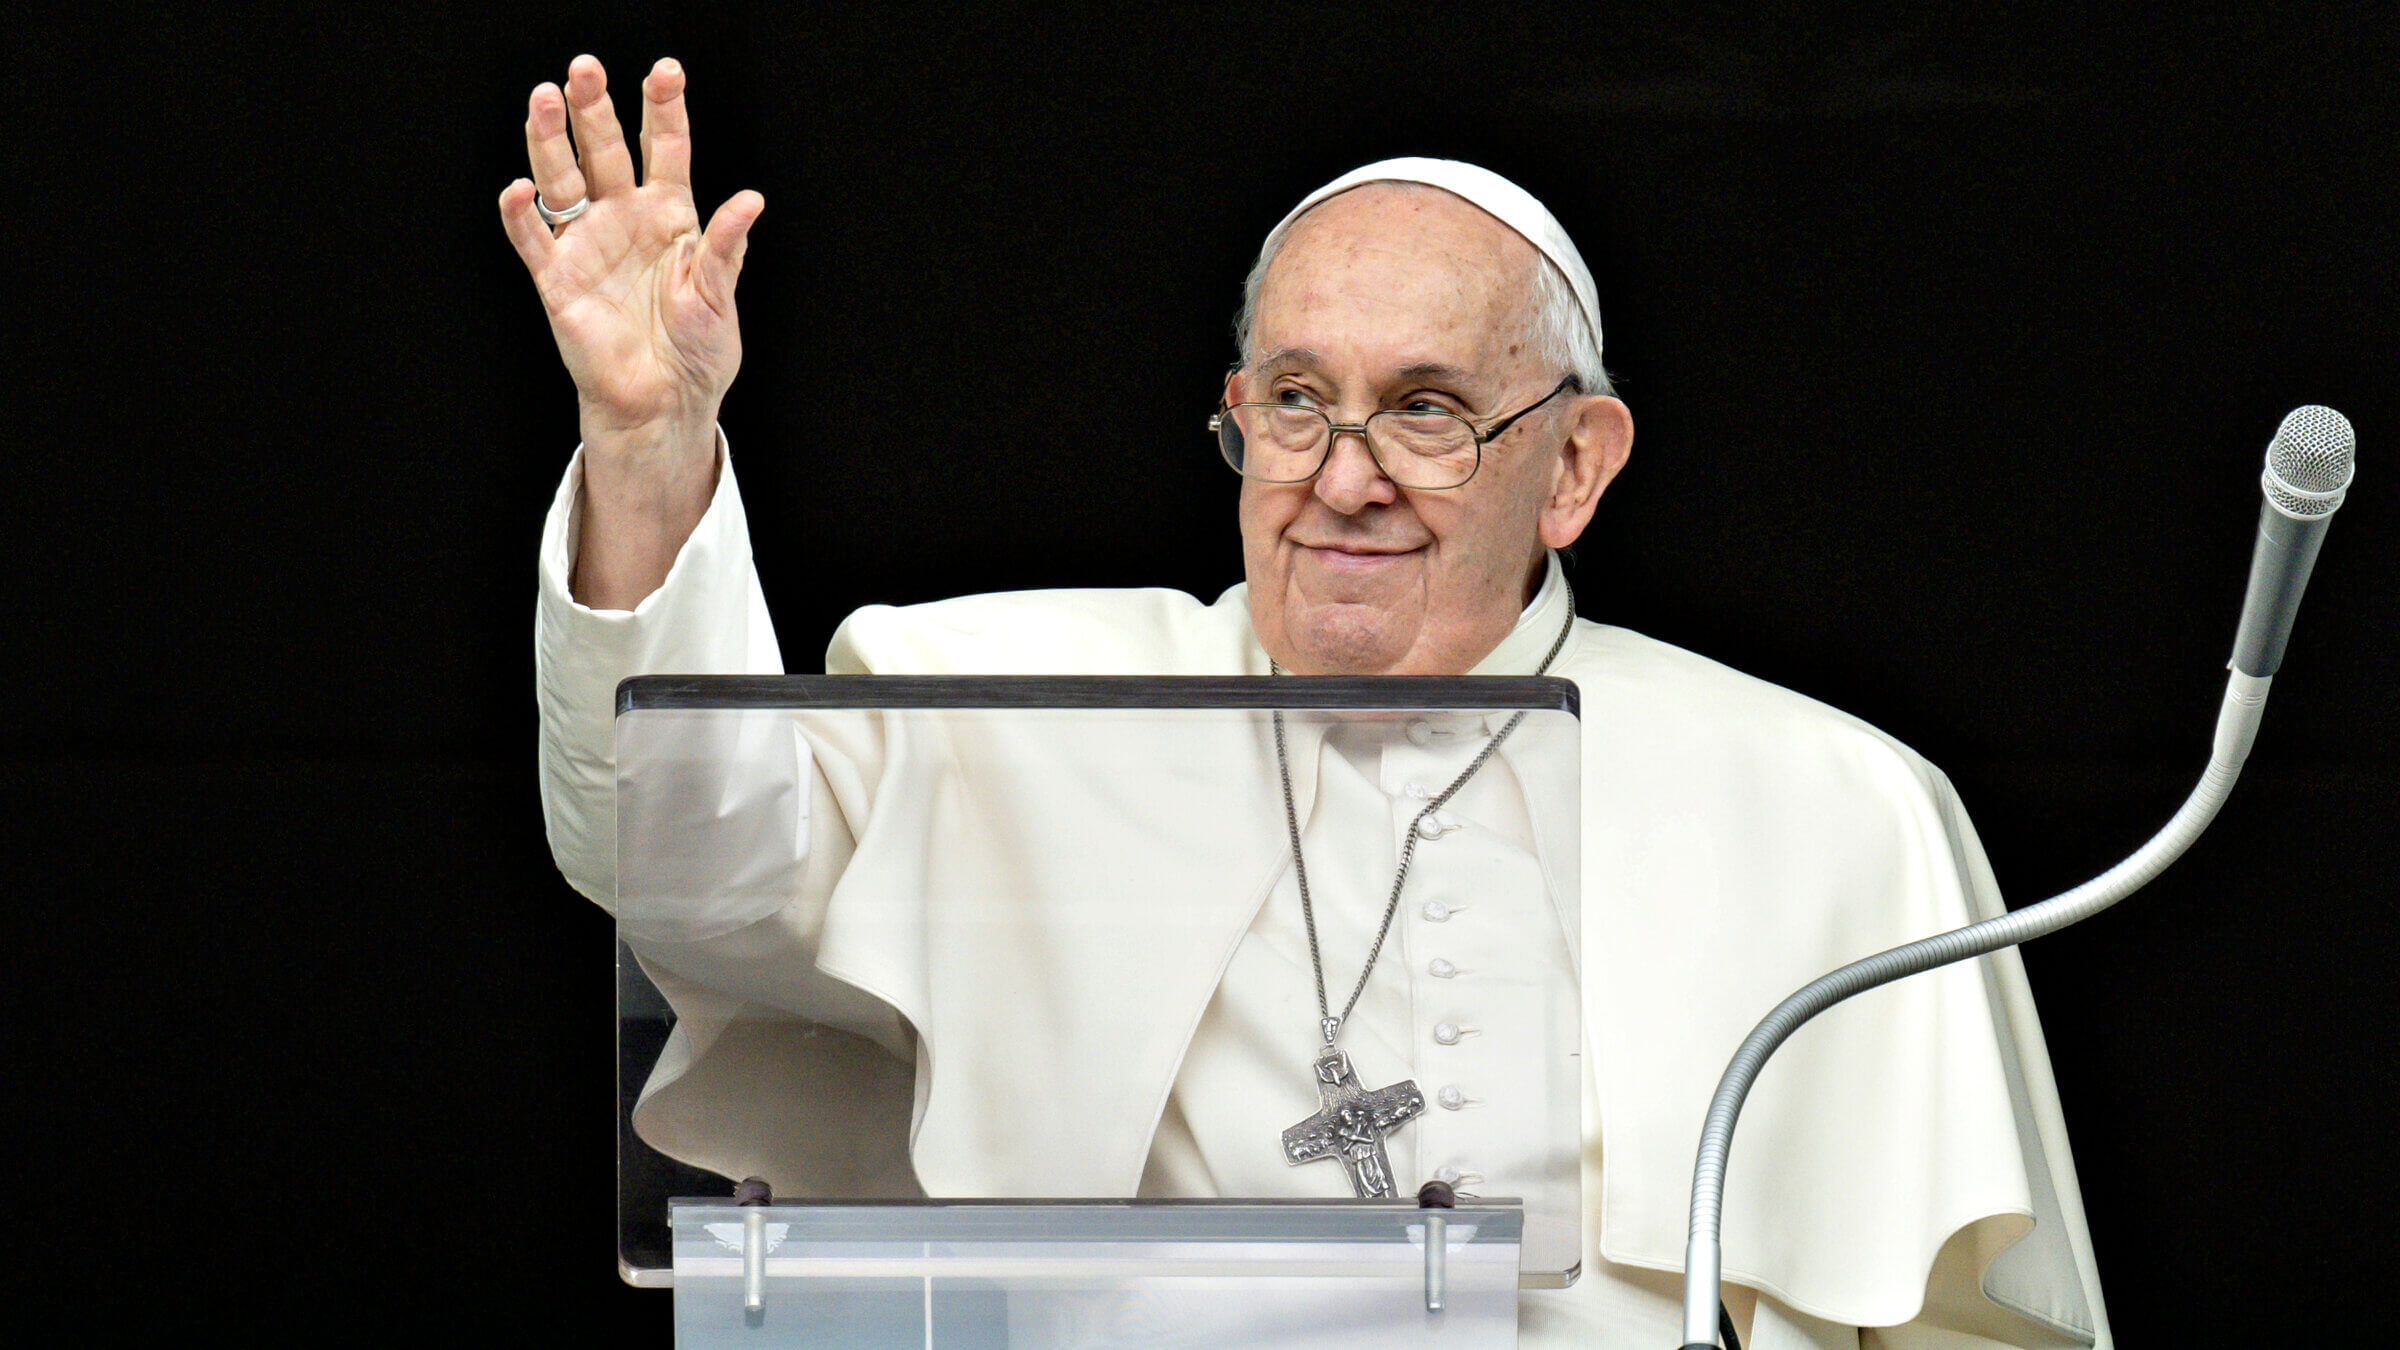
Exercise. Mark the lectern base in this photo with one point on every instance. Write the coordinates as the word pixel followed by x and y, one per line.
pixel 983 1276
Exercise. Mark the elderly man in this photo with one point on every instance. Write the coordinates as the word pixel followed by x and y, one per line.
pixel 1421 419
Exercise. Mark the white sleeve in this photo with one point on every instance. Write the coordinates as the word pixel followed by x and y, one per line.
pixel 708 618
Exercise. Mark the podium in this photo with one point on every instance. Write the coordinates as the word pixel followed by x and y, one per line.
pixel 872 902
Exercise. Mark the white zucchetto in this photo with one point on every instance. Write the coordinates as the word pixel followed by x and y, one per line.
pixel 1499 198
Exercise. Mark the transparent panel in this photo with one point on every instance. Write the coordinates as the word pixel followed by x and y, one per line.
pixel 1045 939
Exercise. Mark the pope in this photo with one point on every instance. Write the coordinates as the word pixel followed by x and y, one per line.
pixel 1421 420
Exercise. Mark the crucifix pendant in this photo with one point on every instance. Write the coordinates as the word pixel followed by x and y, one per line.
pixel 1352 1123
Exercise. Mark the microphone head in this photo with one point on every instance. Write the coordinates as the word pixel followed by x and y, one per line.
pixel 2310 463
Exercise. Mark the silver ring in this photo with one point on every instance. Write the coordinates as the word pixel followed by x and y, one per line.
pixel 562 215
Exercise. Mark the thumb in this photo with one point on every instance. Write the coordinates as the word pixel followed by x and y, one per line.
pixel 725 241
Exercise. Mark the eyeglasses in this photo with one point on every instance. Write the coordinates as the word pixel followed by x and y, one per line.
pixel 1415 448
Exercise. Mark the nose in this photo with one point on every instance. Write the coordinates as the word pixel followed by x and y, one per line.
pixel 1351 480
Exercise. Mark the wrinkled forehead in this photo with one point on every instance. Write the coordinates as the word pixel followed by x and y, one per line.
pixel 1398 274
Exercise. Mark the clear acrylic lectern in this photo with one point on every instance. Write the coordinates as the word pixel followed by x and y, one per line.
pixel 1000 991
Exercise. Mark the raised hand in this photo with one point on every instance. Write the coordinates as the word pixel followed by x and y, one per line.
pixel 640 300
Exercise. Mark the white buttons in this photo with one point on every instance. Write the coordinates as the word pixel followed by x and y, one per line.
pixel 1445 1033
pixel 1436 912
pixel 1419 791
pixel 1420 732
pixel 1448 1176
pixel 1450 1097
pixel 1440 969
pixel 1430 826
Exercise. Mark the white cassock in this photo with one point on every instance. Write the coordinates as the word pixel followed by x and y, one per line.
pixel 1902 1161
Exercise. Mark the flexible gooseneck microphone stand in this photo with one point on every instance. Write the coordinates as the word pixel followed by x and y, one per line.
pixel 2308 473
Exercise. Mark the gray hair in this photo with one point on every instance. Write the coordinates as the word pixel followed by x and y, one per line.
pixel 1560 335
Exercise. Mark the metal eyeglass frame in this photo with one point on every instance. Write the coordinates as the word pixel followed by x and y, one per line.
pixel 1216 421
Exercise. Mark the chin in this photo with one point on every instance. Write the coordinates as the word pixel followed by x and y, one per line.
pixel 1351 640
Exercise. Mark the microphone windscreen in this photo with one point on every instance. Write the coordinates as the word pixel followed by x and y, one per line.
pixel 2310 463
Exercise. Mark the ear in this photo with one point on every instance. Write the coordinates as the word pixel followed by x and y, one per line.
pixel 1598 443
pixel 1233 387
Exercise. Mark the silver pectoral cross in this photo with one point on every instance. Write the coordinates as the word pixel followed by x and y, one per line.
pixel 1352 1123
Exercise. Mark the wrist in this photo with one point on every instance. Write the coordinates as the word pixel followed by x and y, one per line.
pixel 672 421
pixel 665 463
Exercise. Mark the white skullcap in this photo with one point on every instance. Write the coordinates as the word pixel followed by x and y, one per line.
pixel 1499 198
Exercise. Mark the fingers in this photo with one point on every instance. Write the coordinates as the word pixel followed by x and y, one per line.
pixel 722 247
pixel 533 239
pixel 666 127
pixel 599 140
pixel 548 151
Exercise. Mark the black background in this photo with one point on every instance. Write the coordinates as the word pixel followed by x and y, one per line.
pixel 1952 346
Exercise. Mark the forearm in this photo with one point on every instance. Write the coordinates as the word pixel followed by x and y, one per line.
pixel 645 489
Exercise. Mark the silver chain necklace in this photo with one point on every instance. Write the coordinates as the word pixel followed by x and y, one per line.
pixel 1352 1122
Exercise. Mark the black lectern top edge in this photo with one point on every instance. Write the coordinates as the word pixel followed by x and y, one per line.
pixel 1342 693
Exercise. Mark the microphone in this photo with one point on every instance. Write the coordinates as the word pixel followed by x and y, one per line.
pixel 2309 465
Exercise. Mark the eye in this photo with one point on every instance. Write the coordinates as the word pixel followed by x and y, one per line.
pixel 1292 397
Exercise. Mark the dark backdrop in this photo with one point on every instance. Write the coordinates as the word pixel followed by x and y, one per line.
pixel 1953 347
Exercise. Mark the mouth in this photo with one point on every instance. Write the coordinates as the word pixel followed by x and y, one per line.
pixel 1356 557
